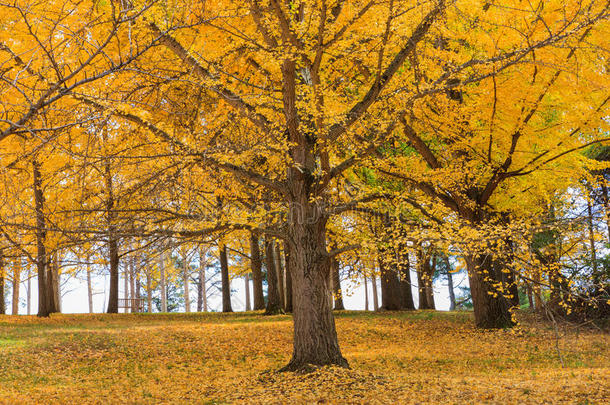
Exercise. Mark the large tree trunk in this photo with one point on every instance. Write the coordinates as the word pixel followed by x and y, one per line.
pixel 41 253
pixel 390 285
pixel 491 309
pixel 405 280
pixel 16 284
pixel 315 336
pixel 257 276
pixel 289 298
pixel 274 304
pixel 225 281
pixel 337 292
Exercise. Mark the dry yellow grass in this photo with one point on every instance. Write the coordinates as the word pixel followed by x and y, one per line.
pixel 419 357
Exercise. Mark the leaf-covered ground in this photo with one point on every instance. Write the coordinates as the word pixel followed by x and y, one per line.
pixel 417 357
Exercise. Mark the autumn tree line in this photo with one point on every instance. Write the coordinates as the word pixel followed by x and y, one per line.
pixel 370 137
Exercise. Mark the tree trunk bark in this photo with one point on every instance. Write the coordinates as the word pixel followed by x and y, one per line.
pixel 132 285
pixel 530 297
pixel 16 284
pixel 424 282
pixel 226 283
pixel 338 293
pixel 163 282
pixel 2 285
pixel 315 336
pixel 450 285
pixel 126 286
pixel 202 302
pixel 29 293
pixel 113 248
pixel 390 285
pixel 274 304
pixel 187 286
pixel 257 276
pixel 89 285
pixel 430 284
pixel 148 288
pixel 404 267
pixel 593 252
pixel 289 297
pixel 280 274
pixel 247 287
pixel 366 294
pixel 41 253
pixel 491 309
pixel 375 293
pixel 54 293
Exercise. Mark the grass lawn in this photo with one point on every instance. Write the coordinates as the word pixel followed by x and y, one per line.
pixel 408 357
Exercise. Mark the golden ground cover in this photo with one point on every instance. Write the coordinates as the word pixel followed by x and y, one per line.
pixel 416 357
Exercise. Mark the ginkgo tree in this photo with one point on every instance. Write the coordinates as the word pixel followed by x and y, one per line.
pixel 312 89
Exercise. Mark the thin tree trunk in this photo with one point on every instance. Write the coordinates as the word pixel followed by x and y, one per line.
pixel 16 284
pixel 89 286
pixel 450 284
pixel 592 239
pixel 538 302
pixel 375 293
pixel 132 285
pixel 54 293
pixel 126 286
pixel 187 295
pixel 2 285
pixel 257 276
pixel 148 288
pixel 41 253
pixel 337 292
pixel 280 274
pixel 530 297
pixel 289 297
pixel 202 300
pixel 163 282
pixel 247 285
pixel 226 283
pixel 429 284
pixel 606 203
pixel 274 303
pixel 29 292
pixel 366 295
pixel 113 248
